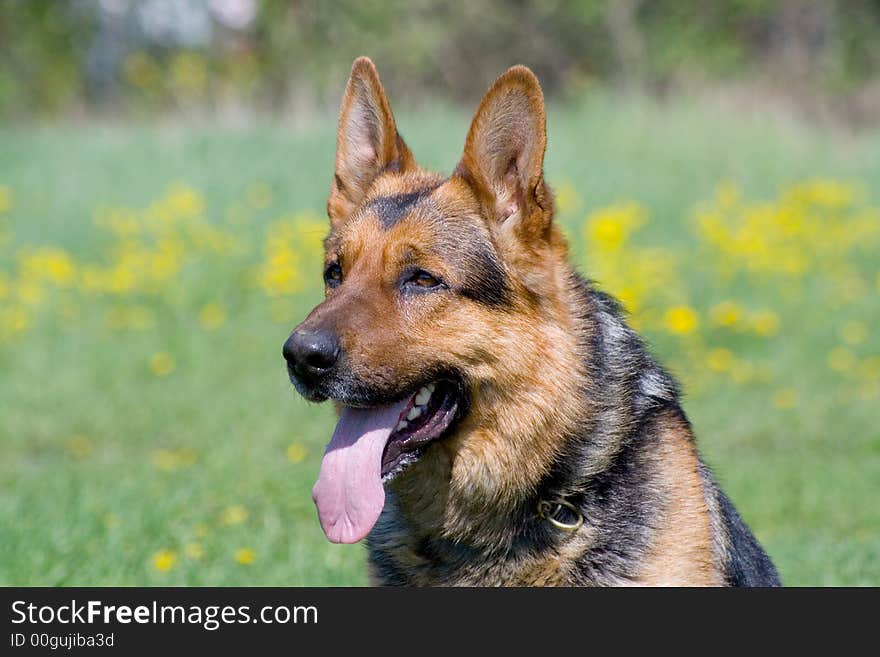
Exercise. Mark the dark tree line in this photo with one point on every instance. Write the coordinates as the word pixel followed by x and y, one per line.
pixel 60 57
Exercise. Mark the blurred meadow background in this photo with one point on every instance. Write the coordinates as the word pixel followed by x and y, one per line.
pixel 163 172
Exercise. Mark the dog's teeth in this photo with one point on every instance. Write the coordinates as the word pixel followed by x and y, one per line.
pixel 423 396
pixel 414 412
pixel 403 424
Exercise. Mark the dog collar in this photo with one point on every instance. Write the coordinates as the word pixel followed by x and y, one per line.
pixel 561 513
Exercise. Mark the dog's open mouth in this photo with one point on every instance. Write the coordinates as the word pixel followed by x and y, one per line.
pixel 426 416
pixel 370 445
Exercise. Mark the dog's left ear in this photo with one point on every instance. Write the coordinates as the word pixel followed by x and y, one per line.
pixel 503 159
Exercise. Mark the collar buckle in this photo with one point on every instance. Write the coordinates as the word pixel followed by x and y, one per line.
pixel 559 512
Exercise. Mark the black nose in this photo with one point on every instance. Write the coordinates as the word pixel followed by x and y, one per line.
pixel 311 354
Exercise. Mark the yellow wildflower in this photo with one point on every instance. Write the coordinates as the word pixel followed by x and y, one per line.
pixel 162 364
pixel 785 398
pixel 244 556
pixel 184 201
pixel 280 273
pixel 234 514
pixel 141 70
pixel 841 359
pixel 194 551
pixel 296 452
pixel 720 360
pixel 29 292
pixel 140 318
pixel 726 313
pixel 79 446
pixel 828 193
pixel 608 229
pixel 174 459
pixel 164 560
pixel 681 320
pixel 813 223
pixel 727 194
pixel 13 320
pixel 120 280
pixel 59 267
pixel 49 264
pixel 189 72
pixel 870 368
pixel 309 231
pixel 764 322
pixel 212 316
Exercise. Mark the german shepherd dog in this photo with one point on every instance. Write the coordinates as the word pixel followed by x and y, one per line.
pixel 499 422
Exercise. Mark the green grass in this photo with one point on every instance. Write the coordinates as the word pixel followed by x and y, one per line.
pixel 82 501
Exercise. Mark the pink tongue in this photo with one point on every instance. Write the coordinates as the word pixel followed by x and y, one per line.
pixel 349 493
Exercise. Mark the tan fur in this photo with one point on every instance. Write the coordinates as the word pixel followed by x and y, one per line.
pixel 682 552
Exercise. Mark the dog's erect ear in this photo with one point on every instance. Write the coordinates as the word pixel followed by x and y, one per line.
pixel 503 157
pixel 367 142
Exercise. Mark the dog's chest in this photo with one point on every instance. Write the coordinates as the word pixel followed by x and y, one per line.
pixel 408 566
pixel 398 557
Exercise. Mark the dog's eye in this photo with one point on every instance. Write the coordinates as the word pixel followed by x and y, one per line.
pixel 424 280
pixel 333 275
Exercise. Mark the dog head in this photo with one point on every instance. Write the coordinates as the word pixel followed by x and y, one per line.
pixel 438 293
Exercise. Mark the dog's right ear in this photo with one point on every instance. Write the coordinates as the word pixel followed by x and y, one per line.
pixel 367 143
